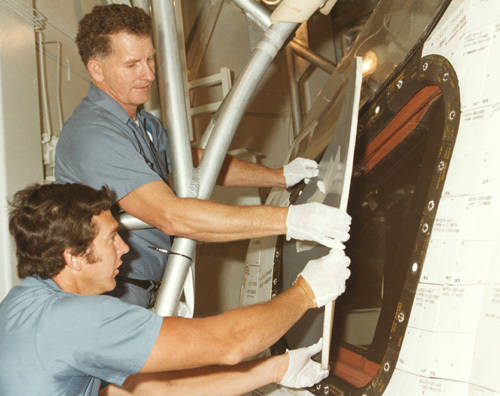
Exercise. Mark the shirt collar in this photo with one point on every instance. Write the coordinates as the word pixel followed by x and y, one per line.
pixel 35 279
pixel 51 283
pixel 102 99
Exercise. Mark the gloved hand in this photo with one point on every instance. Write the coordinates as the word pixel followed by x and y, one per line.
pixel 300 169
pixel 317 222
pixel 326 275
pixel 302 371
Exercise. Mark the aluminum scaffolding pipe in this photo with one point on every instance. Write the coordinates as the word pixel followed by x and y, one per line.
pixel 174 277
pixel 174 109
pixel 234 105
pixel 226 122
pixel 172 93
pixel 47 125
pixel 293 86
pixel 256 12
pixel 130 222
pixel 312 57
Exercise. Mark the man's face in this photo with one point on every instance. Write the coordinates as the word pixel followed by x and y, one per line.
pixel 98 275
pixel 127 73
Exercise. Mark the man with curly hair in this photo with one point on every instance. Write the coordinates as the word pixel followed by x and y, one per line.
pixel 60 336
pixel 110 140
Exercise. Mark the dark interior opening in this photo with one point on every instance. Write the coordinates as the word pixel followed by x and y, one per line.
pixel 390 182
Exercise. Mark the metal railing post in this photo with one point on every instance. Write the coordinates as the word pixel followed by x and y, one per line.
pixel 174 109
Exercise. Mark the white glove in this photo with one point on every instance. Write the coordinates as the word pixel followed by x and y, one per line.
pixel 326 275
pixel 300 169
pixel 317 222
pixel 302 371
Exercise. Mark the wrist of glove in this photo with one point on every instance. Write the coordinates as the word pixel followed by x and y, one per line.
pixel 302 370
pixel 317 222
pixel 326 276
pixel 300 169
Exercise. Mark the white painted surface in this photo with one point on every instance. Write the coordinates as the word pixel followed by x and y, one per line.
pixel 20 133
pixel 456 314
pixel 20 148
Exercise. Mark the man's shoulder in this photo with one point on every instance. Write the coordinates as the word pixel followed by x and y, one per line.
pixel 38 294
pixel 30 288
pixel 24 302
pixel 91 127
pixel 88 116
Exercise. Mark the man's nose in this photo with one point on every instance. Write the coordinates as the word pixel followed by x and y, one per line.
pixel 149 72
pixel 122 247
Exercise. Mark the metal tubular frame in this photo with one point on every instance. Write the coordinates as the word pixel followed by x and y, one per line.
pixel 312 57
pixel 171 60
pixel 235 104
pixel 224 126
pixel 172 91
pixel 293 86
pixel 256 12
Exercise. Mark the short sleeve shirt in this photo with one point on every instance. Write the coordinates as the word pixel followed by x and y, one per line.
pixel 58 343
pixel 101 145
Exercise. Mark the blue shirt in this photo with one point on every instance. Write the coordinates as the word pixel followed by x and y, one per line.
pixel 101 145
pixel 58 343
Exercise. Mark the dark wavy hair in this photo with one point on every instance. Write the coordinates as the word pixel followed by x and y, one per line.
pixel 95 27
pixel 47 219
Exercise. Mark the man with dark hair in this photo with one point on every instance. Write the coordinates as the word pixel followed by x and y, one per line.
pixel 60 336
pixel 44 227
pixel 110 140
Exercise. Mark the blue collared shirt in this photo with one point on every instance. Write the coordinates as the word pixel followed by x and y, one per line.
pixel 58 343
pixel 101 145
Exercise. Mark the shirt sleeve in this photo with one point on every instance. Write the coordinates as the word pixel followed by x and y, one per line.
pixel 99 155
pixel 99 336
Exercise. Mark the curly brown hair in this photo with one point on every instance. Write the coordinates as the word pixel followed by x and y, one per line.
pixel 95 27
pixel 47 219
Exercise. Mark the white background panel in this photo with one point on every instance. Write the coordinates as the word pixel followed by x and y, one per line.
pixel 449 217
pixel 439 261
pixel 402 383
pixel 475 390
pixel 425 306
pixel 458 309
pixel 486 369
pixel 413 357
pixel 451 356
pixel 440 387
pixel 473 262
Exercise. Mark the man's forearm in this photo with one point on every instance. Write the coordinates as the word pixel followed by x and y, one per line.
pixel 214 222
pixel 237 172
pixel 255 328
pixel 230 337
pixel 213 380
pixel 156 204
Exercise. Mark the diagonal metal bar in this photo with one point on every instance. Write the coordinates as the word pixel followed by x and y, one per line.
pixel 233 107
pixel 201 35
pixel 312 57
pixel 256 12
pixel 224 125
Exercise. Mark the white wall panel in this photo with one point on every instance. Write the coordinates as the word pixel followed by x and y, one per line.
pixel 20 148
pixel 456 313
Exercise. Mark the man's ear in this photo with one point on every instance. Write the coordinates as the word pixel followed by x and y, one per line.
pixel 72 261
pixel 95 70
